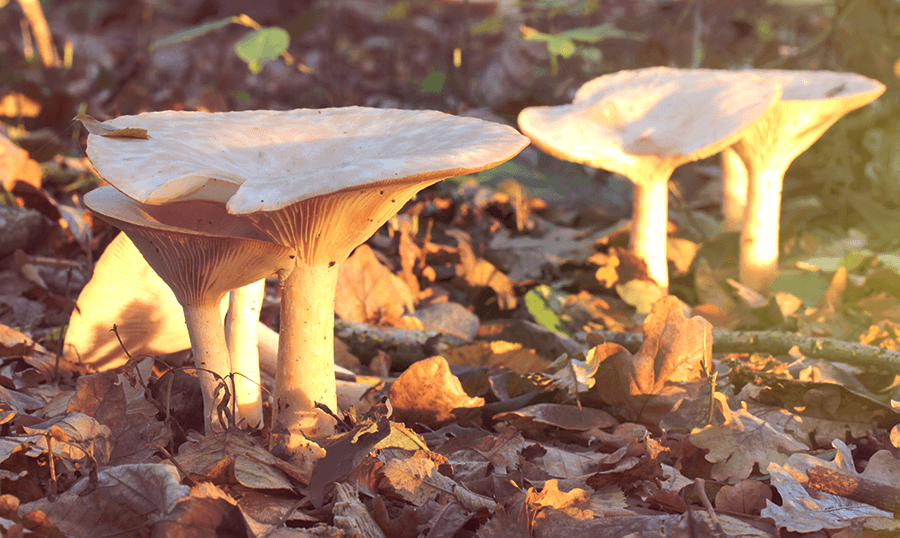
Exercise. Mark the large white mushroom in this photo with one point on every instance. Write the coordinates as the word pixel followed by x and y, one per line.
pixel 202 253
pixel 811 102
pixel 320 182
pixel 643 124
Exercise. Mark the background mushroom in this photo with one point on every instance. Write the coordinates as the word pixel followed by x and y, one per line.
pixel 202 253
pixel 643 124
pixel 317 181
pixel 811 102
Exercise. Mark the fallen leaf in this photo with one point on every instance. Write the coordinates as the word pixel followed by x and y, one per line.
pixel 429 394
pixel 367 291
pixel 98 128
pixel 567 417
pixel 746 497
pixel 670 366
pixel 742 441
pixel 254 466
pixel 121 498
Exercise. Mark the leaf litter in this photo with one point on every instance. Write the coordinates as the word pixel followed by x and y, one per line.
pixel 528 420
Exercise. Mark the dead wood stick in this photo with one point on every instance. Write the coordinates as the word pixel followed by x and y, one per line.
pixel 41 31
pixel 853 353
pixel 855 488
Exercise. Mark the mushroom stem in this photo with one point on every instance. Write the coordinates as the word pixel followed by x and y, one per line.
pixel 305 374
pixel 207 334
pixel 649 223
pixel 734 190
pixel 759 237
pixel 241 335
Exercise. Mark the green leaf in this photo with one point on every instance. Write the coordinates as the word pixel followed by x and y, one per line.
pixel 595 34
pixel 540 302
pixel 262 46
pixel 192 32
pixel 434 82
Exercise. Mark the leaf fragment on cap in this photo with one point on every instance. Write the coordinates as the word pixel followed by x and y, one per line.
pixel 95 127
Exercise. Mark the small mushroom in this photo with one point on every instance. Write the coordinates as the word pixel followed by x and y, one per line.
pixel 643 124
pixel 202 253
pixel 316 181
pixel 811 102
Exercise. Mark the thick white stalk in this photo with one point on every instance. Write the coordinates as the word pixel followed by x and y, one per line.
pixel 305 374
pixel 734 190
pixel 759 237
pixel 207 334
pixel 241 337
pixel 649 222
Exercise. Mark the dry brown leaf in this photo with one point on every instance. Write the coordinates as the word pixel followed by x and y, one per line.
pixel 670 366
pixel 575 503
pixel 254 466
pixel 745 497
pixel 567 417
pixel 367 291
pixel 95 127
pixel 497 353
pixel 416 480
pixel 742 441
pixel 204 513
pixel 428 393
pixel 123 498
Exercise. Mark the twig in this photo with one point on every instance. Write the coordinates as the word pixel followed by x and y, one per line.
pixel 177 465
pixel 41 32
pixel 52 495
pixel 855 488
pixel 700 488
pixel 778 343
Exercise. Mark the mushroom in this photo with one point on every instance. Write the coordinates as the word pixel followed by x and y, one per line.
pixel 734 190
pixel 317 181
pixel 643 124
pixel 202 253
pixel 811 102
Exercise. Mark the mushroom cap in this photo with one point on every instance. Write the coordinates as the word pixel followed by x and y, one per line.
pixel 620 121
pixel 196 247
pixel 260 161
pixel 849 88
pixel 811 102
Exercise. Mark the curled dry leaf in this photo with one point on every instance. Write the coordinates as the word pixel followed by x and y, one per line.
pixel 429 394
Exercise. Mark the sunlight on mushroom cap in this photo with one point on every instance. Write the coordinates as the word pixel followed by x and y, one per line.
pixel 617 120
pixel 196 246
pixel 246 158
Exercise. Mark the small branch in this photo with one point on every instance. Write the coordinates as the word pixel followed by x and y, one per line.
pixel 778 343
pixel 855 488
pixel 41 31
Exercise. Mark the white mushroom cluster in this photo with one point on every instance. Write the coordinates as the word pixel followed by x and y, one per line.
pixel 218 201
pixel 644 123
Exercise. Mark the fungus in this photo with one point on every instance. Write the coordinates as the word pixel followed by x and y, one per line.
pixel 320 182
pixel 643 124
pixel 811 102
pixel 202 253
